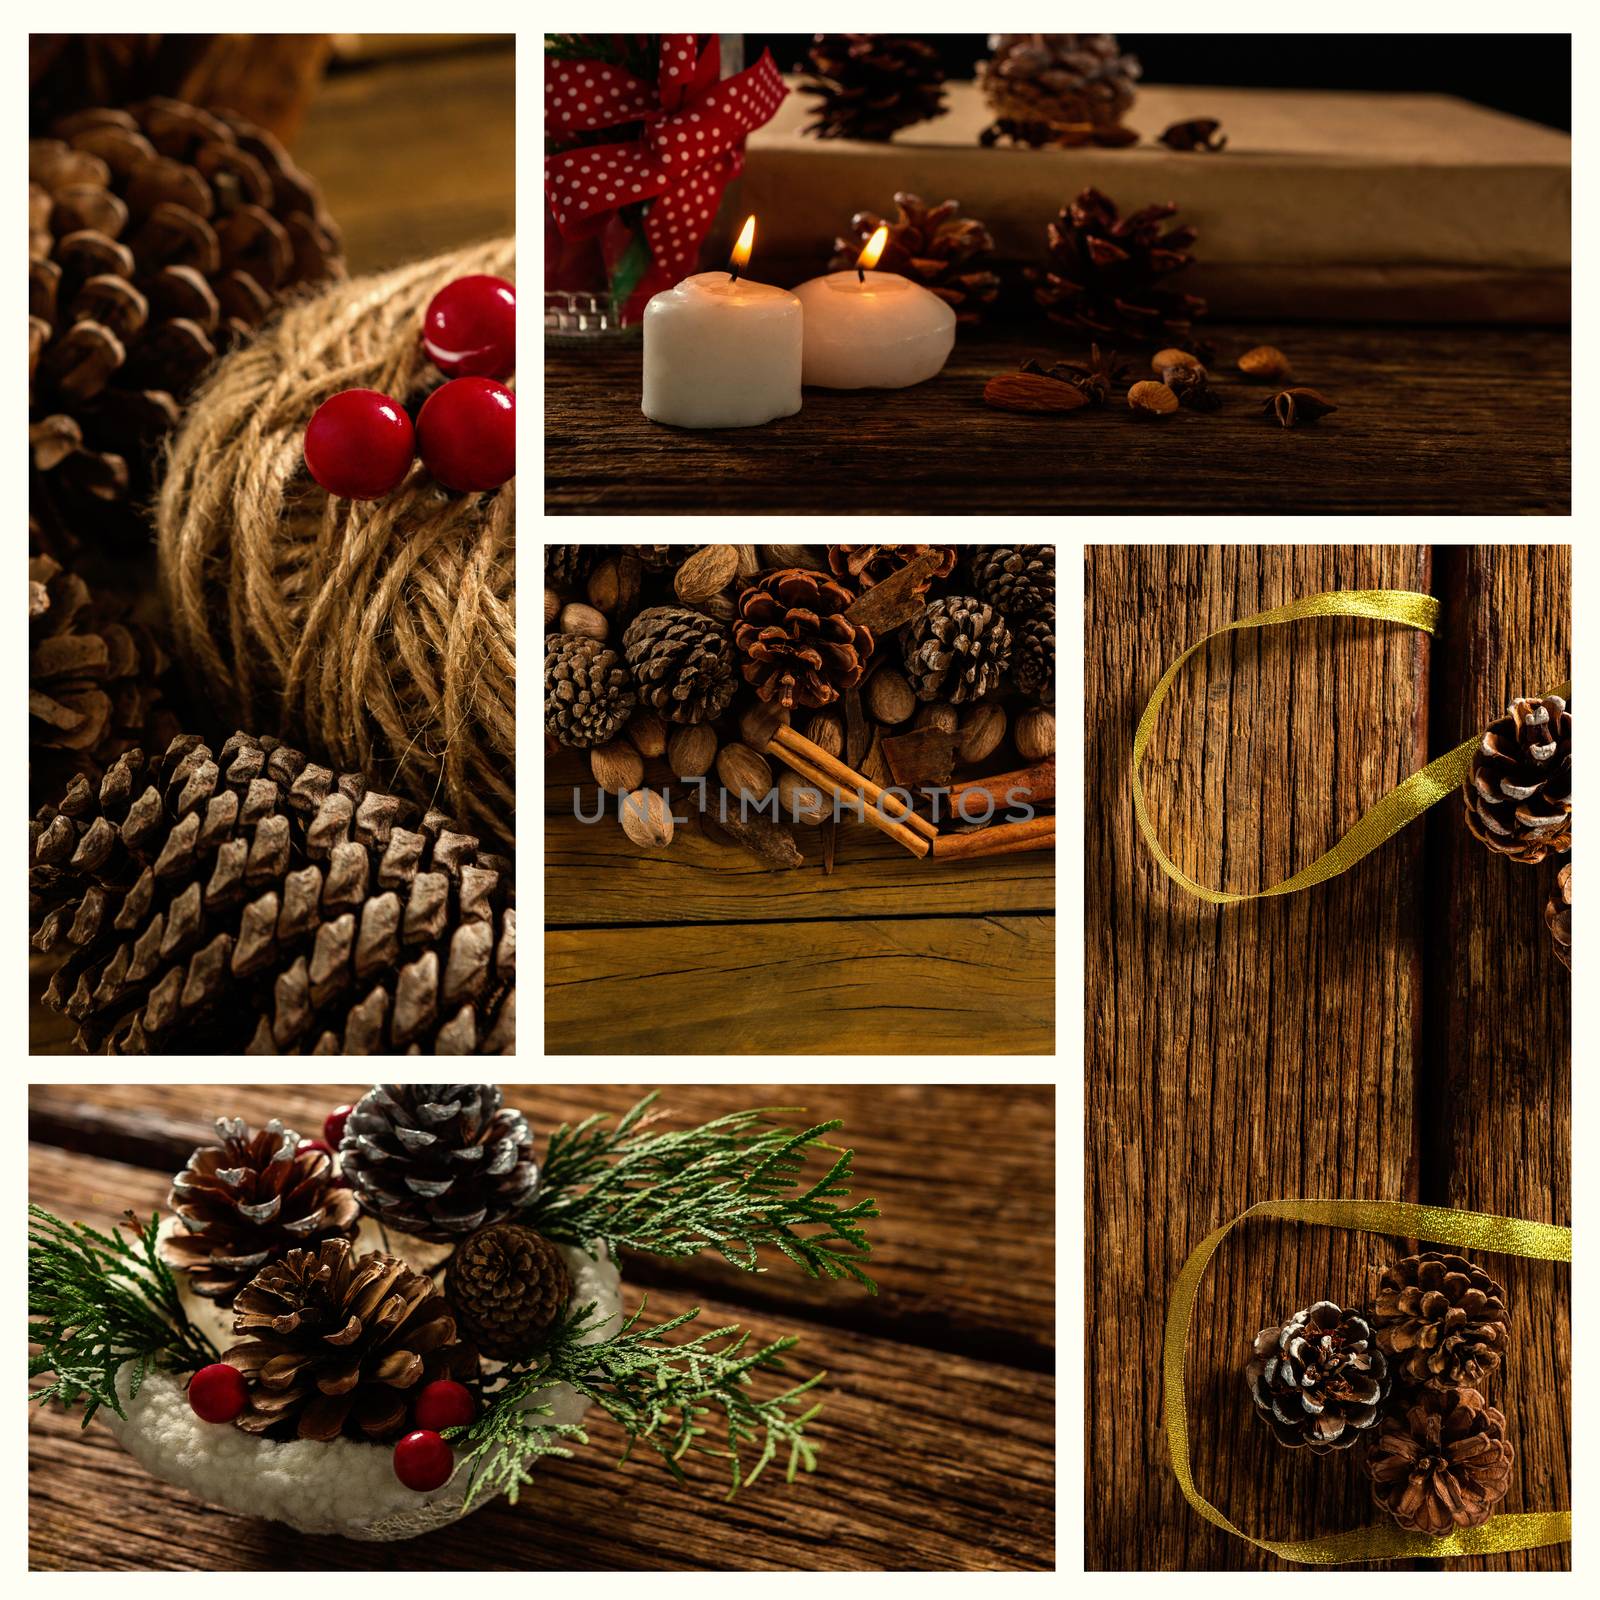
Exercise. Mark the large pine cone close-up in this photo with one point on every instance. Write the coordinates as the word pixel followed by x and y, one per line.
pixel 956 650
pixel 588 694
pixel 248 1200
pixel 508 1285
pixel 1442 1463
pixel 1518 791
pixel 1441 1320
pixel 946 253
pixel 438 1160
pixel 254 902
pixel 682 663
pixel 798 646
pixel 868 85
pixel 1320 1379
pixel 334 1343
pixel 159 237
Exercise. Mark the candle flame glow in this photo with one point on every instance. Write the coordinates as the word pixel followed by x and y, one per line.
pixel 741 251
pixel 873 249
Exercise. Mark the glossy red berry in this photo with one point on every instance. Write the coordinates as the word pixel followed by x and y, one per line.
pixel 444 1404
pixel 467 434
pixel 423 1461
pixel 333 1126
pixel 470 328
pixel 313 1144
pixel 360 444
pixel 218 1393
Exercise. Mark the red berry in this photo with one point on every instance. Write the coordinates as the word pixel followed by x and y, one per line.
pixel 360 444
pixel 313 1144
pixel 444 1404
pixel 467 434
pixel 470 328
pixel 423 1461
pixel 333 1128
pixel 218 1393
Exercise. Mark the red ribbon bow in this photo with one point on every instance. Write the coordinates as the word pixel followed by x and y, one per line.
pixel 691 148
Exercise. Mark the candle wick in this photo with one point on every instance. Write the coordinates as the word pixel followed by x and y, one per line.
pixel 733 274
pixel 861 274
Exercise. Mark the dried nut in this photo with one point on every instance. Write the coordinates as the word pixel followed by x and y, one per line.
pixel 1148 399
pixel 605 585
pixel 552 606
pixel 1027 391
pixel 890 697
pixel 982 732
pixel 1266 364
pixel 1294 408
pixel 707 572
pixel 758 723
pixel 810 556
pixel 800 800
pixel 1163 359
pixel 826 731
pixel 648 733
pixel 691 750
pixel 939 715
pixel 743 772
pixel 646 818
pixel 719 607
pixel 576 618
pixel 1191 388
pixel 618 768
pixel 749 567
pixel 1035 734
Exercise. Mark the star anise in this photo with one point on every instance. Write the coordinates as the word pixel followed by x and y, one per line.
pixel 1199 133
pixel 1096 378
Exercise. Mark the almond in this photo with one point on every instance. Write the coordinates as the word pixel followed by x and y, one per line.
pixel 981 733
pixel 743 772
pixel 646 818
pixel 1035 734
pixel 690 751
pixel 890 697
pixel 707 572
pixel 1163 359
pixel 1150 399
pixel 1266 364
pixel 618 768
pixel 576 618
pixel 1028 391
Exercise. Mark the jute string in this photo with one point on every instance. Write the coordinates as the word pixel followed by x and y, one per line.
pixel 379 636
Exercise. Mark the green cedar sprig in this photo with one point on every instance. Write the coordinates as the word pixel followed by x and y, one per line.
pixel 658 1392
pixel 96 1301
pixel 731 1185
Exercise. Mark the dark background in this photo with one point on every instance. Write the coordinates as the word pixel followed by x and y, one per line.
pixel 1528 74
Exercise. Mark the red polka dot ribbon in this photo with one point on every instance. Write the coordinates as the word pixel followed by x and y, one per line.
pixel 691 148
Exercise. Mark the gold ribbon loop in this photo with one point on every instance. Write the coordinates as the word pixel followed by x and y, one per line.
pixel 1469 1230
pixel 1400 806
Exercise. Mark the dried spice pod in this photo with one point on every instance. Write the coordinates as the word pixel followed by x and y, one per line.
pixel 1442 1463
pixel 1518 790
pixel 799 647
pixel 1441 1320
pixel 1296 408
pixel 1558 916
pixel 1319 1379
pixel 1198 133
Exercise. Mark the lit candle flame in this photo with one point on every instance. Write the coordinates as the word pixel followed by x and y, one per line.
pixel 741 251
pixel 872 250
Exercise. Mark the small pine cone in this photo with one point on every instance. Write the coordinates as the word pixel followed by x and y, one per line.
pixel 867 564
pixel 956 650
pixel 254 902
pixel 1558 916
pixel 1035 661
pixel 659 557
pixel 508 1285
pixel 567 565
pixel 1518 792
pixel 1058 80
pixel 947 254
pixel 1443 1463
pixel 1441 1320
pixel 1016 580
pixel 438 1160
pixel 868 85
pixel 1319 1380
pixel 588 695
pixel 247 1201
pixel 799 647
pixel 682 662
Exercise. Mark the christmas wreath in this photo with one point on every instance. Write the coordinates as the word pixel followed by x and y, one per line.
pixel 375 1332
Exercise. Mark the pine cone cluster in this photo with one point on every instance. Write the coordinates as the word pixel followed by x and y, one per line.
pixel 957 650
pixel 1518 791
pixel 507 1285
pixel 1058 89
pixel 335 1343
pixel 437 1160
pixel 588 694
pixel 869 85
pixel 1319 1379
pixel 799 648
pixel 867 564
pixel 1106 274
pixel 1442 1462
pixel 255 902
pixel 1441 1320
pixel 682 663
pixel 567 565
pixel 933 246
pixel 159 237
pixel 247 1201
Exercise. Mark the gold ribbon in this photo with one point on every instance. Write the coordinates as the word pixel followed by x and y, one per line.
pixel 1397 808
pixel 1470 1230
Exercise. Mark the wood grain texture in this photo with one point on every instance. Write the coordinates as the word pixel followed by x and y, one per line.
pixel 1444 420
pixel 926 1493
pixel 1280 1048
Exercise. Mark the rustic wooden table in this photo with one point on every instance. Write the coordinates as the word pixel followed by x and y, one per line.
pixel 1444 420
pixel 937 1435
pixel 1401 1032
pixel 702 948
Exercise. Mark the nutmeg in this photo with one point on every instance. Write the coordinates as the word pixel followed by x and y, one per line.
pixel 743 771
pixel 605 585
pixel 1150 399
pixel 938 715
pixel 577 618
pixel 890 697
pixel 826 731
pixel 800 800
pixel 1266 364
pixel 648 733
pixel 981 733
pixel 759 721
pixel 1035 734
pixel 646 818
pixel 618 768
pixel 552 606
pixel 706 573
pixel 691 750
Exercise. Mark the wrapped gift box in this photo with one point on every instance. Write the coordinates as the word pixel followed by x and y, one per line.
pixel 1324 204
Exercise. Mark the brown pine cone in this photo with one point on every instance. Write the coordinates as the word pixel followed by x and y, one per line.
pixel 932 246
pixel 250 1199
pixel 1034 662
pixel 956 650
pixel 1047 88
pixel 508 1285
pixel 659 557
pixel 868 85
pixel 1016 579
pixel 1443 1463
pixel 799 647
pixel 333 1343
pixel 1319 1380
pixel 567 565
pixel 1558 916
pixel 254 902
pixel 867 564
pixel 1441 1320
pixel 1518 792
pixel 682 663
pixel 588 695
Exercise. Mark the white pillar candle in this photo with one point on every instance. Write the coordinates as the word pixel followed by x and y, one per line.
pixel 720 352
pixel 873 330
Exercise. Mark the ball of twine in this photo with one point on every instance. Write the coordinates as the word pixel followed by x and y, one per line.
pixel 378 636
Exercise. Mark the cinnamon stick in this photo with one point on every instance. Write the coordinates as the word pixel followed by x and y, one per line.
pixel 1027 785
pixel 1038 833
pixel 786 740
pixel 916 843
